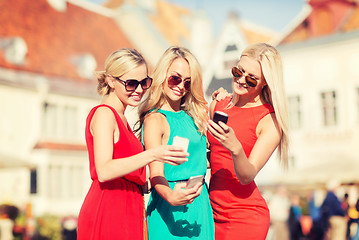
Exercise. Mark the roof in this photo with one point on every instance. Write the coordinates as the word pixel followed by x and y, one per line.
pixel 55 38
pixel 326 17
pixel 255 33
pixel 60 146
pixel 172 21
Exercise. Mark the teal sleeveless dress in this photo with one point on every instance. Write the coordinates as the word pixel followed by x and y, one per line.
pixel 191 221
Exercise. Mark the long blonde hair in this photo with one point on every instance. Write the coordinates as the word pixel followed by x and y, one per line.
pixel 117 64
pixel 193 103
pixel 273 93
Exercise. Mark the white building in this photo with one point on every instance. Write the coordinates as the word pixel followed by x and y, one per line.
pixel 321 71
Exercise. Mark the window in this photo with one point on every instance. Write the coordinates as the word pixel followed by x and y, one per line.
pixel 60 122
pixel 50 119
pixel 33 181
pixel 329 108
pixel 295 114
pixel 54 183
pixel 65 181
pixel 69 122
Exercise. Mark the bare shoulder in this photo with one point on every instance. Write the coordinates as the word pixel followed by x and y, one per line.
pixel 154 118
pixel 212 105
pixel 156 129
pixel 155 122
pixel 269 125
pixel 103 121
pixel 103 114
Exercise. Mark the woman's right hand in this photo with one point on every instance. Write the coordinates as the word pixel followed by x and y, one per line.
pixel 170 154
pixel 220 94
pixel 182 196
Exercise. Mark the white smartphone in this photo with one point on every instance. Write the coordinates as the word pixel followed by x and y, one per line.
pixel 181 142
pixel 192 181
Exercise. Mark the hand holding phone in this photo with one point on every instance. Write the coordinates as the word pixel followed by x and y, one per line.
pixel 181 142
pixel 220 116
pixel 192 181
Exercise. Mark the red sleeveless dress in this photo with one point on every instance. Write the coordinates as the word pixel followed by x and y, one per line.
pixel 113 209
pixel 239 211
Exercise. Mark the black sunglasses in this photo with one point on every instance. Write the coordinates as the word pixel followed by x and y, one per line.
pixel 132 84
pixel 175 80
pixel 250 80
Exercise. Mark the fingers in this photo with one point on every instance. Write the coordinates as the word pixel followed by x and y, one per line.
pixel 175 161
pixel 181 185
pixel 214 94
pixel 214 128
pixel 220 94
pixel 174 148
pixel 187 196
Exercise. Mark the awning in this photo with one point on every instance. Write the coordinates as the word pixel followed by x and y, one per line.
pixel 342 168
pixel 14 162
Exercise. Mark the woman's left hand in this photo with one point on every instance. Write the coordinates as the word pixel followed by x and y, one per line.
pixel 225 135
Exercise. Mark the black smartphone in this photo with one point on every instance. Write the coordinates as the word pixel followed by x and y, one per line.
pixel 220 116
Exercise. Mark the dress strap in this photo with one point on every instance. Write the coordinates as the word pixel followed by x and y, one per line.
pixel 119 121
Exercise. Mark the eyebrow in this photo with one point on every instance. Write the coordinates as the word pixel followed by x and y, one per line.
pixel 178 74
pixel 249 74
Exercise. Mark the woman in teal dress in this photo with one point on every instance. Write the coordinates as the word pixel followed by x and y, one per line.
pixel 175 106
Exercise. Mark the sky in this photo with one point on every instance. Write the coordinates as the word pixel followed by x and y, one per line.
pixel 272 14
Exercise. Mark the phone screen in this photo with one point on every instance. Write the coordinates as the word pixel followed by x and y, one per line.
pixel 220 116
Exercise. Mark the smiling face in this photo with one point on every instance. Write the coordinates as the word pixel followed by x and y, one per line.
pixel 179 68
pixel 251 68
pixel 131 98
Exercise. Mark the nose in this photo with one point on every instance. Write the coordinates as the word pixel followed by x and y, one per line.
pixel 139 89
pixel 240 80
pixel 181 85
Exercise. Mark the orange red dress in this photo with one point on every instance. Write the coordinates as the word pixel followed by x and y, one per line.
pixel 239 211
pixel 113 209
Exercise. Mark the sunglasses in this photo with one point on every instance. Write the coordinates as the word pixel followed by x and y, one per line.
pixel 132 84
pixel 175 80
pixel 250 80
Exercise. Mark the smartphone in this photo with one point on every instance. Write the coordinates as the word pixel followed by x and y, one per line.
pixel 220 116
pixel 181 142
pixel 192 181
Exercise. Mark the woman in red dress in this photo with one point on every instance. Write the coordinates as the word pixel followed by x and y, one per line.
pixel 114 205
pixel 257 125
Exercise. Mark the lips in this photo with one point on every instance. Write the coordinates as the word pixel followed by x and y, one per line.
pixel 177 93
pixel 136 97
pixel 242 86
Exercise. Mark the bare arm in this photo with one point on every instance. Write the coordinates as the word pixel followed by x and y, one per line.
pixel 155 133
pixel 268 139
pixel 104 127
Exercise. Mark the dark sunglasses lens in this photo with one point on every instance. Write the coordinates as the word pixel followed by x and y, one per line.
pixel 251 82
pixel 236 72
pixel 146 83
pixel 174 80
pixel 131 85
pixel 187 85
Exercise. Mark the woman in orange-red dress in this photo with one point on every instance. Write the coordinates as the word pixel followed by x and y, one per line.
pixel 114 205
pixel 257 125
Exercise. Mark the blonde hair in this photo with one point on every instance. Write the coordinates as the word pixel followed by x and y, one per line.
pixel 273 93
pixel 193 103
pixel 117 64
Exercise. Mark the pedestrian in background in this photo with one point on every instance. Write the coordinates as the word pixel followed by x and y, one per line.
pixel 333 214
pixel 279 205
